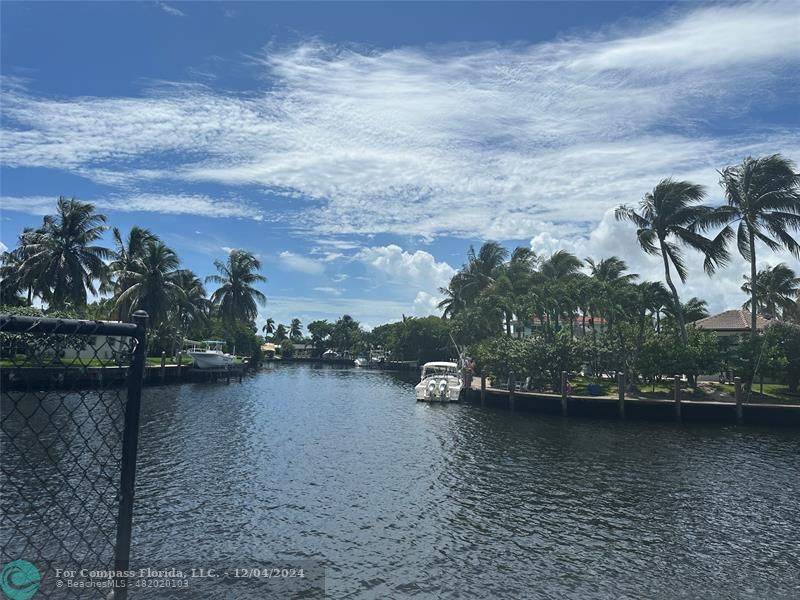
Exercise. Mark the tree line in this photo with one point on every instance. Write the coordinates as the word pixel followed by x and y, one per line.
pixel 63 262
pixel 639 327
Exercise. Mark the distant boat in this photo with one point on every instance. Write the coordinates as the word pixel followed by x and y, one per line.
pixel 362 362
pixel 212 358
pixel 439 382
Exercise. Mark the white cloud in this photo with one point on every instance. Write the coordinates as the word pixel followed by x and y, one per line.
pixel 419 269
pixel 366 310
pixel 488 141
pixel 174 204
pixel 329 290
pixel 295 262
pixel 171 10
pixel 425 304
pixel 611 237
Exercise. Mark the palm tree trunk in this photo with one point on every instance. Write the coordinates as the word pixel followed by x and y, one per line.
pixel 675 298
pixel 753 275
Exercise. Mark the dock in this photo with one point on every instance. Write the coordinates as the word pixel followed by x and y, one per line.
pixel 676 409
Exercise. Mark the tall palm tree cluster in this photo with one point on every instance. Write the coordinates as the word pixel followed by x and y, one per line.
pixel 62 263
pixel 517 291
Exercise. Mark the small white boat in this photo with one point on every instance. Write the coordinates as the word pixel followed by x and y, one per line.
pixel 439 382
pixel 212 358
pixel 362 362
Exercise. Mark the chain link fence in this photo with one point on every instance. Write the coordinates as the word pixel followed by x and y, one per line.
pixel 68 435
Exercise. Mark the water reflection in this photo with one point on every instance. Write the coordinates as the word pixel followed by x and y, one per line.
pixel 407 500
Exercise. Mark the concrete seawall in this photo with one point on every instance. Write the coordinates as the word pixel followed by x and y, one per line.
pixel 656 409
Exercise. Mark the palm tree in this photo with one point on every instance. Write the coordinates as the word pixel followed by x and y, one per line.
pixel 296 330
pixel 693 310
pixel 236 297
pixel 455 295
pixel 155 282
pixel 280 333
pixel 610 283
pixel 193 306
pixel 61 254
pixel 763 196
pixel 482 268
pixel 669 217
pixel 11 281
pixel 269 326
pixel 777 291
pixel 125 253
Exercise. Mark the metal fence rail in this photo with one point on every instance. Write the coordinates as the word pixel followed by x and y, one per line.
pixel 69 421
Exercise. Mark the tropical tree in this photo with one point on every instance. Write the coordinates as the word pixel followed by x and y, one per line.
pixel 62 257
pixel 483 268
pixel 154 282
pixel 763 196
pixel 296 330
pixel 269 326
pixel 693 310
pixel 280 333
pixel 320 331
pixel 125 253
pixel 455 295
pixel 12 287
pixel 777 291
pixel 669 217
pixel 236 298
pixel 193 307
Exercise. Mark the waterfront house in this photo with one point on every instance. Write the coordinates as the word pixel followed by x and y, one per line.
pixel 303 350
pixel 731 322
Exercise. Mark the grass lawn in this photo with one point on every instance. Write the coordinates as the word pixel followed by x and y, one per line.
pixel 773 392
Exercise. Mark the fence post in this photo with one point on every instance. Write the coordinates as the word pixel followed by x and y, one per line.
pixel 564 393
pixel 512 389
pixel 130 443
pixel 621 392
pixel 678 397
pixel 737 383
pixel 483 389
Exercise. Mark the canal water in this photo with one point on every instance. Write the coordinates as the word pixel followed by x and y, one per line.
pixel 342 471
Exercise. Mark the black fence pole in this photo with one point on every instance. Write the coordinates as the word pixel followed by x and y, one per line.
pixel 130 443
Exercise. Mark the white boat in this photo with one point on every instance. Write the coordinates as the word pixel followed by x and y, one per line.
pixel 439 382
pixel 362 362
pixel 212 358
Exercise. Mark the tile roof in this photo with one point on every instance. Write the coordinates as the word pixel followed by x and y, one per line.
pixel 731 320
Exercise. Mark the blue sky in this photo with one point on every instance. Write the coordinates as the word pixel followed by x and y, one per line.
pixel 360 148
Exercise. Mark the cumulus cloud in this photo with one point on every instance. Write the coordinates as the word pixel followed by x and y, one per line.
pixel 613 238
pixel 426 304
pixel 489 141
pixel 303 264
pixel 419 269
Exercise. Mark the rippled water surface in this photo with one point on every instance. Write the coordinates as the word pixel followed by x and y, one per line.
pixel 407 500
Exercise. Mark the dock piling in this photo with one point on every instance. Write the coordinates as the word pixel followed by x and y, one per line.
pixel 163 366
pixel 737 383
pixel 564 410
pixel 512 385
pixel 678 397
pixel 483 390
pixel 621 392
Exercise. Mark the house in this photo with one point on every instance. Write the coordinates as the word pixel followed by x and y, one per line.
pixel 731 322
pixel 535 324
pixel 303 350
pixel 268 349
